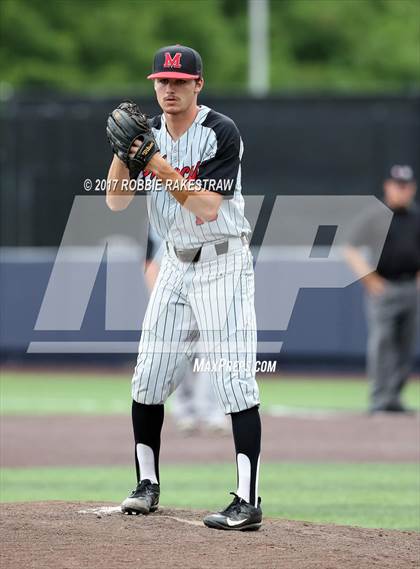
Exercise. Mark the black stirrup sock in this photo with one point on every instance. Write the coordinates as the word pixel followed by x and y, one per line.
pixel 147 426
pixel 246 426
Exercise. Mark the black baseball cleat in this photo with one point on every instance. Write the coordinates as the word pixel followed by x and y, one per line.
pixel 239 516
pixel 143 499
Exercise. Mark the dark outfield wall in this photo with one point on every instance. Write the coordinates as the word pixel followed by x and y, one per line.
pixel 293 145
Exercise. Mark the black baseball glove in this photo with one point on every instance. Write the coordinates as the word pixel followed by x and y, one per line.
pixel 126 124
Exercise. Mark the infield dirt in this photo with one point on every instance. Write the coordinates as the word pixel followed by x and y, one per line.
pixel 57 535
pixel 107 440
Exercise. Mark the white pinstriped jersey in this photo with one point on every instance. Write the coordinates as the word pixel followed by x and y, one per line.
pixel 205 306
pixel 210 152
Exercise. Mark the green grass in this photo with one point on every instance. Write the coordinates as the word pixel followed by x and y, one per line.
pixel 334 393
pixel 34 394
pixel 368 495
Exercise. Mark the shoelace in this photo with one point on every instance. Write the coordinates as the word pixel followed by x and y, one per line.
pixel 234 506
pixel 141 486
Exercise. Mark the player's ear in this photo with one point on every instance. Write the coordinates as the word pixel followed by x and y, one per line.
pixel 198 85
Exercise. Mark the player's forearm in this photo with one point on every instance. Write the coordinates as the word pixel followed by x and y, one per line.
pixel 202 203
pixel 117 196
pixel 357 262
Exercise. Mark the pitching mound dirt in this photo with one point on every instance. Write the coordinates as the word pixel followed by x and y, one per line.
pixel 63 535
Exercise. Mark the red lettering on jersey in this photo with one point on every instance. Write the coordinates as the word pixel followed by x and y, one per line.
pixel 194 171
pixel 184 172
pixel 188 172
pixel 149 173
pixel 174 61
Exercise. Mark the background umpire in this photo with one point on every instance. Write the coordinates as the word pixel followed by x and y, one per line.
pixel 392 290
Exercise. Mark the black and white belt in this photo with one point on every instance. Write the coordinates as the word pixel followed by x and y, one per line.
pixel 207 251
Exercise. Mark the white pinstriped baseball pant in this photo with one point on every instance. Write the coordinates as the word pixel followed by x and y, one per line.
pixel 203 309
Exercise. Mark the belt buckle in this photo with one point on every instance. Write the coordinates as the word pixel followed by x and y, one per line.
pixel 188 255
pixel 222 248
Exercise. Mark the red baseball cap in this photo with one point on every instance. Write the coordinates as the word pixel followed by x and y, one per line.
pixel 177 62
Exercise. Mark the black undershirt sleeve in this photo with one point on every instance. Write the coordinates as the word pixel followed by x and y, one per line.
pixel 219 173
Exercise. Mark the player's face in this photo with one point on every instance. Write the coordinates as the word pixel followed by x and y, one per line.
pixel 177 95
pixel 399 194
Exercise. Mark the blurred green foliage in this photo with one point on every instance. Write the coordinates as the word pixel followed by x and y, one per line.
pixel 107 45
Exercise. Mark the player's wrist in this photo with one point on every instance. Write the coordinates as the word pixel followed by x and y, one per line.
pixel 159 166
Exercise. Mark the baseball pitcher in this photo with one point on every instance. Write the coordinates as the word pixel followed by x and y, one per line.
pixel 189 160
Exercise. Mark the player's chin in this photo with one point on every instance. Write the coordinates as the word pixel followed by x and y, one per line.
pixel 172 107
